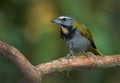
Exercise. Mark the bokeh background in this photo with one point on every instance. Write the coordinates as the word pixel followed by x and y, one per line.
pixel 26 24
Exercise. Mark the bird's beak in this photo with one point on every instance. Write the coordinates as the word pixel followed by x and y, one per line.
pixel 55 20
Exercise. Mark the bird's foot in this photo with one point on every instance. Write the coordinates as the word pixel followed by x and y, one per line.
pixel 91 54
pixel 69 56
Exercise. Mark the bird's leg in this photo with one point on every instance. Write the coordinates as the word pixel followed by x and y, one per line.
pixel 70 53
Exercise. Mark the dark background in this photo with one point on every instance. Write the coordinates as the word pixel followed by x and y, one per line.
pixel 26 25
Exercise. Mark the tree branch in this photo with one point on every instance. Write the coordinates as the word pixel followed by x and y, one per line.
pixel 63 64
pixel 33 74
pixel 26 68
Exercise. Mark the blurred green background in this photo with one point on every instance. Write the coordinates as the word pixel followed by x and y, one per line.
pixel 26 25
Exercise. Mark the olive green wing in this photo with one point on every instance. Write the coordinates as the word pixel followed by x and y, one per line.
pixel 87 34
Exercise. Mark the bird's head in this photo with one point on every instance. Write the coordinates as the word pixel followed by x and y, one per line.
pixel 66 23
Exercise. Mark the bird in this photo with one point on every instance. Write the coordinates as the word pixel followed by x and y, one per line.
pixel 77 38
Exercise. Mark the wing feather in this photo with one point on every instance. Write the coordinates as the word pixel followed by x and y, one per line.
pixel 85 32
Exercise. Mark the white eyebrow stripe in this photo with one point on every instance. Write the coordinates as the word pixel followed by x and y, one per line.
pixel 61 17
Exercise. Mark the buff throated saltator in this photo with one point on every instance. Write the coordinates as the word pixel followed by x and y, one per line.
pixel 76 36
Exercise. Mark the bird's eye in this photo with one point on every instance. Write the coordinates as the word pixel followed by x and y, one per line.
pixel 64 19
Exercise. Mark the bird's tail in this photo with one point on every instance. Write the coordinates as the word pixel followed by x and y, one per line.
pixel 98 52
pixel 95 51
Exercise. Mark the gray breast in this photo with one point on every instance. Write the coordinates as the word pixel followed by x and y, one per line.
pixel 78 43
